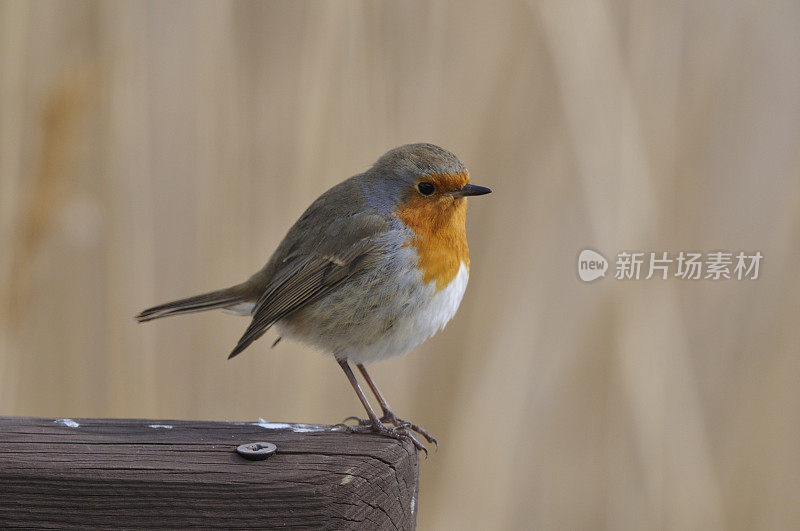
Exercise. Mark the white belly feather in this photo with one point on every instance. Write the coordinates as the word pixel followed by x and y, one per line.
pixel 431 316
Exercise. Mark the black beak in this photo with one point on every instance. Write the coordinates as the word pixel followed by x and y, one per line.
pixel 471 189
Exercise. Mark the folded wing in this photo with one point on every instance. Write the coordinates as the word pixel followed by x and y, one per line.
pixel 308 272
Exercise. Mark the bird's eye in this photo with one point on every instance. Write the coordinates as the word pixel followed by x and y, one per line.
pixel 426 188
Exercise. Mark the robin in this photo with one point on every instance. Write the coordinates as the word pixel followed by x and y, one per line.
pixel 374 267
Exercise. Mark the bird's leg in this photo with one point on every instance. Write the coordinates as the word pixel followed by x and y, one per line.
pixel 375 425
pixel 373 418
pixel 388 414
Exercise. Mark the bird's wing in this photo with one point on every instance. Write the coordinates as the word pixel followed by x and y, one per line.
pixel 313 268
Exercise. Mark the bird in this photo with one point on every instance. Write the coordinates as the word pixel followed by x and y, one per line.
pixel 375 266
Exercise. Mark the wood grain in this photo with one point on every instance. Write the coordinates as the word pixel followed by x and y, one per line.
pixel 126 473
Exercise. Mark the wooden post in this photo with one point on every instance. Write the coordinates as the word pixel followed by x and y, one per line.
pixel 144 473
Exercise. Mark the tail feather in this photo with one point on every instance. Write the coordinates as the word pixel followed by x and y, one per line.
pixel 199 303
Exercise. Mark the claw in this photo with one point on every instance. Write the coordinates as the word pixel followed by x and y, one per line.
pixel 418 445
pixel 390 417
pixel 399 433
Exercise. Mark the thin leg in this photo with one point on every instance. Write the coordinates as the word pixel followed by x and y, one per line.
pixel 388 414
pixel 375 391
pixel 375 425
pixel 352 377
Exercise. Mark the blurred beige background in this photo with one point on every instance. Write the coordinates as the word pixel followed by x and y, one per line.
pixel 152 150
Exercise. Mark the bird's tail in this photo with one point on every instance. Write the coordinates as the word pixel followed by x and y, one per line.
pixel 222 298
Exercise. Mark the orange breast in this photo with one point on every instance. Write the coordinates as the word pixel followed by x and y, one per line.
pixel 439 227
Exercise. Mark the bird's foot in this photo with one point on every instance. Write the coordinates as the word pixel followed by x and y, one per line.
pixel 399 432
pixel 390 418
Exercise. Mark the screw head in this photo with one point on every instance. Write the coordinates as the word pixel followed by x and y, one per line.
pixel 256 451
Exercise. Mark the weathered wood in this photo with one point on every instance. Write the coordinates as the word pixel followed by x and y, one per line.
pixel 144 473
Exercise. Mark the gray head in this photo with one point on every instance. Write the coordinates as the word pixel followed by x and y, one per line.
pixel 416 169
pixel 413 160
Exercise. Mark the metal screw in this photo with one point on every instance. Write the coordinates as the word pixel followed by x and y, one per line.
pixel 256 451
